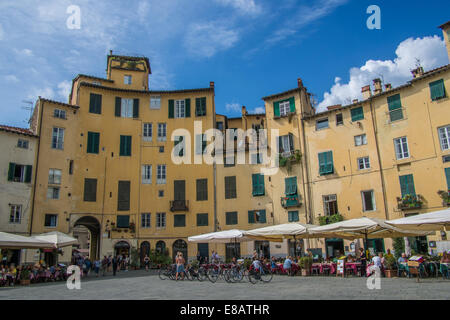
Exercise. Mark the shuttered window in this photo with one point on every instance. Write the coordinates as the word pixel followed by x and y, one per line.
pixel 293 216
pixel 179 220
pixel 447 176
pixel 283 107
pixel 202 189
pixel 202 219
pixel 395 107
pixel 407 185
pixel 123 196
pixel 258 184
pixel 125 146
pixel 437 89
pixel 90 190
pixel 95 103
pixel 257 216
pixel 200 107
pixel 93 142
pixel 231 218
pixel 326 163
pixel 357 114
pixel 230 187
pixel 290 186
pixel 19 173
pixel 200 143
pixel 123 221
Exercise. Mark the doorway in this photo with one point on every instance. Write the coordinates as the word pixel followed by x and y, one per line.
pixel 180 246
pixel 263 249
pixel 334 247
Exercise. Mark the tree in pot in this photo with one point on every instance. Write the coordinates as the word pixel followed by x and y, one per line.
pixel 390 264
pixel 135 261
pixel 25 277
pixel 305 264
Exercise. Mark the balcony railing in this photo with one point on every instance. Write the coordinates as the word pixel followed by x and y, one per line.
pixel 409 202
pixel 179 205
pixel 291 201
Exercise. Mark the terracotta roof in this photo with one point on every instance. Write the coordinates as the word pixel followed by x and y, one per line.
pixel 334 107
pixel 92 77
pixel 26 132
pixel 280 94
pixel 86 84
pixel 444 25
pixel 60 103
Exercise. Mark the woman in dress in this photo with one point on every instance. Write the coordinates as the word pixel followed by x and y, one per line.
pixel 180 265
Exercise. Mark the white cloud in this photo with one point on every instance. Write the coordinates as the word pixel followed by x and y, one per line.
pixel 206 39
pixel 429 50
pixel 2 33
pixel 233 107
pixel 243 6
pixel 64 88
pixel 11 78
pixel 46 93
pixel 258 110
pixel 24 52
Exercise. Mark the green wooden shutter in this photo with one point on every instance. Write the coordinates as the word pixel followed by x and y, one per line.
pixel 136 108
pixel 251 217
pixel 357 114
pixel 28 170
pixel 123 221
pixel 96 142
pixel 118 106
pixel 12 168
pixel 95 103
pixel 290 187
pixel 197 107
pixel 262 216
pixel 122 145
pixel 329 163
pixel 447 176
pixel 437 90
pixel 395 107
pixel 258 184
pixel 93 142
pixel 280 144
pixel 291 141
pixel 171 109
pixel 276 109
pixel 203 106
pixel 407 185
pixel 128 145
pixel 292 104
pixel 125 145
pixel 188 107
pixel 322 163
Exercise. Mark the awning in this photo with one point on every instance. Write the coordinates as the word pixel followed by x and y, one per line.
pixel 221 237
pixel 58 239
pixel 15 241
pixel 280 232
pixel 432 221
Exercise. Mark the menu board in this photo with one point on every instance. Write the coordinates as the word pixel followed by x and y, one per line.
pixel 340 270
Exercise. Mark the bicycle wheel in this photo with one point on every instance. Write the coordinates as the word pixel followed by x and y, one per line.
pixel 213 275
pixel 227 276
pixel 188 275
pixel 253 276
pixel 237 275
pixel 162 274
pixel 266 275
pixel 201 274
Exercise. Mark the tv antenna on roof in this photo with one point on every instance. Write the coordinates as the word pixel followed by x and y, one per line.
pixel 29 107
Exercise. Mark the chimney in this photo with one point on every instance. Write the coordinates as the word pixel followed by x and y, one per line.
pixel 366 92
pixel 388 86
pixel 211 84
pixel 110 52
pixel 300 82
pixel 377 85
pixel 244 111
pixel 417 72
pixel 355 101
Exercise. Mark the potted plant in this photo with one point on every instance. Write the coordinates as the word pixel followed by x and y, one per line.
pixel 445 195
pixel 135 261
pixel 305 265
pixel 132 227
pixel 25 277
pixel 390 265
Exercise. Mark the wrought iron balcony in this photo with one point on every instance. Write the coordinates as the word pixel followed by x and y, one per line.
pixel 410 202
pixel 291 201
pixel 179 205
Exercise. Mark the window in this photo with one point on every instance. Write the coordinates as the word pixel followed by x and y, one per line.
pixel 148 132
pixel 321 124
pixel 219 125
pixel 58 113
pixel 326 163
pixel 444 137
pixel 445 159
pixel 357 114
pixel 160 193
pixel 230 187
pixel 90 190
pixel 179 151
pixel 22 144
pixel 125 146
pixel 258 185
pixel 257 216
pixel 95 103
pixel 161 149
pixel 330 205
pixel 53 193
pixel 123 221
pixel 180 109
pixel 284 108
pixel 71 167
pixel 360 140
pixel 127 108
pixel 202 219
pixel 200 143
pixel 339 119
pixel 447 177
pixel 145 220
pixel 93 142
pixel 363 163
pixel 58 138
pixel 231 218
pixel 293 216
pixel 162 132
pixel 51 220
pixel 123 196
pixel 368 200
pixel 437 89
pixel 161 174
pixel 160 220
pixel 395 108
pixel 146 174
pixel 286 144
pixel 401 148
pixel 155 102
pixel 54 176
pixel 290 186
pixel 407 185
pixel 19 173
pixel 179 220
pixel 200 107
pixel 15 213
pixel 202 189
pixel 229 162
pixel 127 79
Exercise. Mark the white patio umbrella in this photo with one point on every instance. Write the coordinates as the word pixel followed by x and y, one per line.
pixel 57 239
pixel 220 237
pixel 432 221
pixel 15 241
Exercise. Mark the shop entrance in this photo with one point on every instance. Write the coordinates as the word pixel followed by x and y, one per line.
pixel 334 247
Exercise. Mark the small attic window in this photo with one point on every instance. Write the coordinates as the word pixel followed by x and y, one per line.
pixel 127 79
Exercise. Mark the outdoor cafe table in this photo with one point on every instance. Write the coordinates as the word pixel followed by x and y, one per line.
pixel 353 265
pixel 332 267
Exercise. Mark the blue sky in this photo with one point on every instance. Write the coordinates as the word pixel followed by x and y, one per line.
pixel 250 48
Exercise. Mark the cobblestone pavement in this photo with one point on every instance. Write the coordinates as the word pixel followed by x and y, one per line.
pixel 143 285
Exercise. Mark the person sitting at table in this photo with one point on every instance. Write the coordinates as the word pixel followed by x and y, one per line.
pixel 273 263
pixel 389 254
pixel 445 261
pixel 445 258
pixel 287 265
pixel 350 258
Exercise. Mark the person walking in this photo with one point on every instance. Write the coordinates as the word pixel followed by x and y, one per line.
pixel 110 263
pixel 146 262
pixel 180 265
pixel 104 265
pixel 115 262
pixel 97 265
